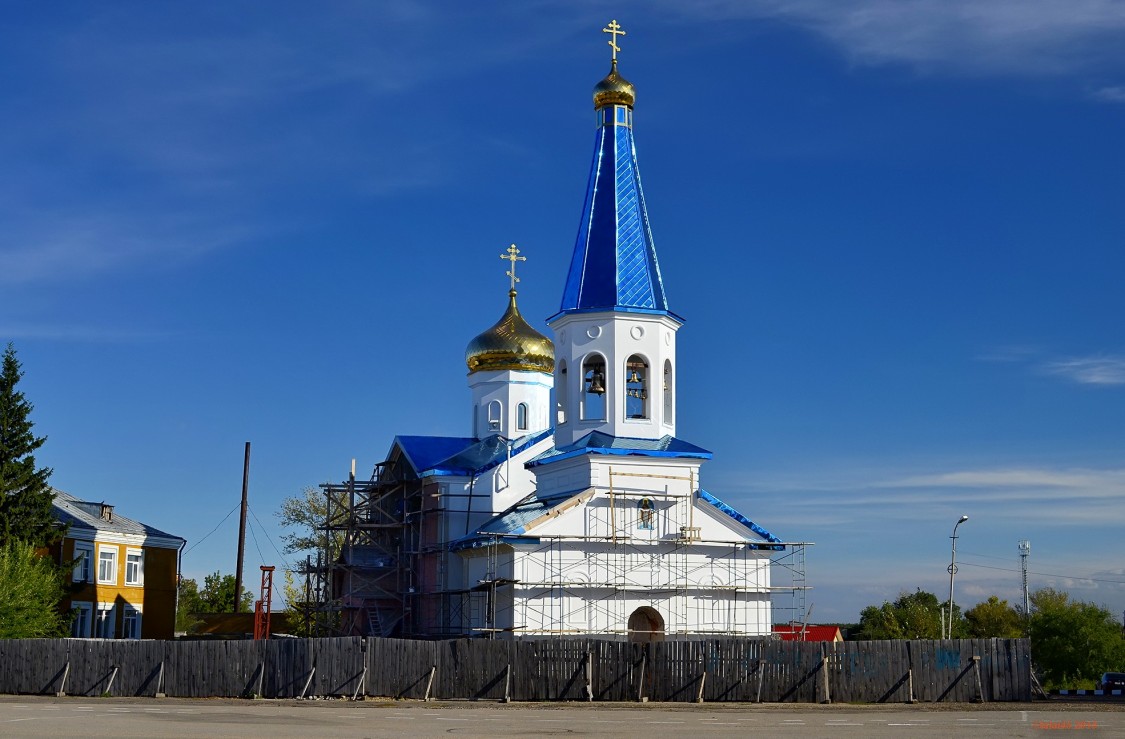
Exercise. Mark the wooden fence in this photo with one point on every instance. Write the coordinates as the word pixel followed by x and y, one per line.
pixel 531 670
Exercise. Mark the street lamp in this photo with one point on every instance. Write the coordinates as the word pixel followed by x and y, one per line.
pixel 952 572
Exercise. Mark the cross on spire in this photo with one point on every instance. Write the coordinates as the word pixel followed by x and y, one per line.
pixel 614 29
pixel 512 256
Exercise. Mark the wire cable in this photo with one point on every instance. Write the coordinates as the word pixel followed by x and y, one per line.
pixel 220 523
pixel 1046 574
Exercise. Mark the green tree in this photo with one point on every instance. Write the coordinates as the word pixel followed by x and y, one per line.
pixel 25 496
pixel 304 515
pixel 914 615
pixel 217 595
pixel 1072 642
pixel 994 618
pixel 30 590
pixel 188 603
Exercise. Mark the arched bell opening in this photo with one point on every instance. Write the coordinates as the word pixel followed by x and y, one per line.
pixel 562 393
pixel 669 389
pixel 646 625
pixel 636 387
pixel 593 388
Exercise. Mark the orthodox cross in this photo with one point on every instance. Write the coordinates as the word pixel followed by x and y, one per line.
pixel 614 29
pixel 513 257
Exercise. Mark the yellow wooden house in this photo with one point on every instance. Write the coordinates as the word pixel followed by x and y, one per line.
pixel 125 574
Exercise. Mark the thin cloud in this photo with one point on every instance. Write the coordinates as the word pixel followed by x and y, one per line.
pixel 1021 37
pixel 76 333
pixel 1110 94
pixel 1089 370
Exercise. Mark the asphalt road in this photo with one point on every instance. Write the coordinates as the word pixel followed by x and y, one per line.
pixel 27 716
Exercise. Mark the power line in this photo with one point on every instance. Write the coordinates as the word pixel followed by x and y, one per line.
pixel 1046 574
pixel 220 523
pixel 268 537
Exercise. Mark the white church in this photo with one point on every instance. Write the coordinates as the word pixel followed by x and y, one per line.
pixel 572 508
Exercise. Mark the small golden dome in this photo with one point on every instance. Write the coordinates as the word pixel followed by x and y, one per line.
pixel 511 344
pixel 614 90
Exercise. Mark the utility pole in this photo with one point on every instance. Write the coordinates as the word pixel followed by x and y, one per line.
pixel 242 531
pixel 1025 552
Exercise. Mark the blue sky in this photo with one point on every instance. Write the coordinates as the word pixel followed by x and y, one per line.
pixel 895 230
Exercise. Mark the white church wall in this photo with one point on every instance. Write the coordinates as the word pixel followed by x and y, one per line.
pixel 497 395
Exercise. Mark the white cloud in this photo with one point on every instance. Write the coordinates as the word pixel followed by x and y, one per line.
pixel 1089 370
pixel 1025 37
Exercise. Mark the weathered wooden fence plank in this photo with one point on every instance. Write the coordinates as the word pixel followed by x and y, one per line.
pixel 736 669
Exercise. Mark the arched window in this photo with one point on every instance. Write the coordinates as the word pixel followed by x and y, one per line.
pixel 494 411
pixel 521 417
pixel 593 388
pixel 645 514
pixel 636 387
pixel 669 388
pixel 562 394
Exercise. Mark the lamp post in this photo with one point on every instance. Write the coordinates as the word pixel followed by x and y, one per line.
pixel 952 572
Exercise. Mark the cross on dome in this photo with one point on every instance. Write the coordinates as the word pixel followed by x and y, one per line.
pixel 614 29
pixel 512 256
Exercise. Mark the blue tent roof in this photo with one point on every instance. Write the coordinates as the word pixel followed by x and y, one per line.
pixel 614 263
pixel 599 442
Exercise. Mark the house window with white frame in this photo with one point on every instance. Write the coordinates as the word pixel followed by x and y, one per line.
pixel 107 565
pixel 131 624
pixel 106 621
pixel 134 567
pixel 83 619
pixel 83 562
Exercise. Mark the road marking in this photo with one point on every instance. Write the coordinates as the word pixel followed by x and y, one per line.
pixel 442 718
pixel 667 722
pixel 842 723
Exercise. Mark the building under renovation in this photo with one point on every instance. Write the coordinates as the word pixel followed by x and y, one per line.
pixel 572 507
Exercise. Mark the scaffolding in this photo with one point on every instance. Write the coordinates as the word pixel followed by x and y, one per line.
pixel 384 567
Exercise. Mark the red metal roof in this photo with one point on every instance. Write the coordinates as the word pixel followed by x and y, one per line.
pixel 812 633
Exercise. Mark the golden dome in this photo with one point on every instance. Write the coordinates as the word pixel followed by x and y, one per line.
pixel 614 90
pixel 511 344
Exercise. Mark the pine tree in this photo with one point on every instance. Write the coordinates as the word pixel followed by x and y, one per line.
pixel 25 496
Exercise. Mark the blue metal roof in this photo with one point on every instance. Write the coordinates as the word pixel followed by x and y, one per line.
pixel 704 495
pixel 423 452
pixel 461 456
pixel 599 442
pixel 614 263
pixel 484 455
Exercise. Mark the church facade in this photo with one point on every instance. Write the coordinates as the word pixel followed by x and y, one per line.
pixel 572 507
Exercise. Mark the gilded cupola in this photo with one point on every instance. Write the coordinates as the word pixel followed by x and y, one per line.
pixel 614 90
pixel 512 344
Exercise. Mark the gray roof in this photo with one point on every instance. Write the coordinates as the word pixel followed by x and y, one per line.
pixel 80 514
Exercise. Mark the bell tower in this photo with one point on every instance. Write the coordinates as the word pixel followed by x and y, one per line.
pixel 615 338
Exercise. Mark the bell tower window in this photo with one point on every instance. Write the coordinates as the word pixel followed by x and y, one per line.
pixel 593 388
pixel 668 390
pixel 636 387
pixel 521 417
pixel 494 414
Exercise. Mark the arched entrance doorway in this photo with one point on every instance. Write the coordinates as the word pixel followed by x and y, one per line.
pixel 646 625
